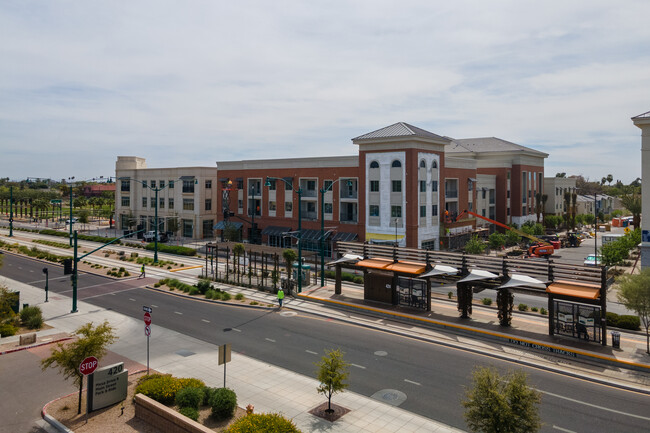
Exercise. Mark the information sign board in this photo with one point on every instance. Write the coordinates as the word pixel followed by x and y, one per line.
pixel 107 386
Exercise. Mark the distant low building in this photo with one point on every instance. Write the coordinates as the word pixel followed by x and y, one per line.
pixel 98 189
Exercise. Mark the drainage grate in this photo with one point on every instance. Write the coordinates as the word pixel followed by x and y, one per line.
pixel 390 396
pixel 184 352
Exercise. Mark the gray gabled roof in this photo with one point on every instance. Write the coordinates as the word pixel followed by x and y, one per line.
pixel 488 144
pixel 642 115
pixel 400 129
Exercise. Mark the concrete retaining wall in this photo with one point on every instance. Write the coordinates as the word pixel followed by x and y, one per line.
pixel 165 418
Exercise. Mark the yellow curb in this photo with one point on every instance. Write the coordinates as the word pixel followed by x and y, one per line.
pixel 185 268
pixel 480 331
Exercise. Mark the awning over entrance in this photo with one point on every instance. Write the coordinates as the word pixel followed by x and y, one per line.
pixel 440 270
pixel 275 230
pixel 574 290
pixel 518 280
pixel 412 268
pixel 221 225
pixel 477 275
pixel 310 235
pixel 344 237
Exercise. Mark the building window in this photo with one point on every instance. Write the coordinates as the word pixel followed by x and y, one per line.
pixel 144 184
pixel 396 211
pixel 374 164
pixel 311 185
pixel 423 164
pixel 508 211
pixel 288 185
pixel 470 185
pixel 423 186
pixel 508 176
pixel 483 192
pixel 507 194
pixel 327 185
pixel 434 210
pixel 434 164
pixel 152 202
pixel 396 164
pixel 162 184
pixel 153 184
pixel 374 210
pixel 328 208
pixel 208 228
pixel 240 183
pixel 170 203
pixel 470 206
pixel 161 203
pixel 397 186
pixel 144 202
pixel 311 206
pixel 288 206
pixel 125 186
pixel 171 184
pixel 187 227
pixel 374 186
pixel 272 206
pixel 188 203
pixel 434 186
pixel 126 201
pixel 271 185
pixel 240 205
pixel 423 211
pixel 208 184
pixel 208 204
pixel 188 186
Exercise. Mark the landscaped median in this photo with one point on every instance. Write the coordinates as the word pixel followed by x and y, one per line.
pixel 204 289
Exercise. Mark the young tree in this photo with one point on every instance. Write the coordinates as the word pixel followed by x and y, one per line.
pixel 332 372
pixel 497 240
pixel 504 404
pixel 634 293
pixel 475 246
pixel 289 257
pixel 91 341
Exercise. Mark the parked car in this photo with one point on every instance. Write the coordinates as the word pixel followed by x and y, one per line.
pixel 74 221
pixel 151 235
pixel 592 260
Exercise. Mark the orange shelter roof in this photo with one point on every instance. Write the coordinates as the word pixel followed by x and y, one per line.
pixel 575 290
pixel 375 263
pixel 413 268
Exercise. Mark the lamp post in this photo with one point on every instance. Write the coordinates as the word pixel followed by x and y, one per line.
pixel 323 190
pixel 70 221
pixel 395 221
pixel 299 192
pixel 11 211
pixel 595 230
pixel 253 209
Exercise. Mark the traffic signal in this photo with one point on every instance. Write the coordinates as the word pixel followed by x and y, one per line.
pixel 67 266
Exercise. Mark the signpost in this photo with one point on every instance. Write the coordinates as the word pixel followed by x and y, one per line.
pixel 86 367
pixel 147 328
pixel 224 358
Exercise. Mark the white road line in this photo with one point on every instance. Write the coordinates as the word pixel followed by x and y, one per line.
pixel 312 352
pixel 269 339
pixel 154 306
pixel 178 312
pixel 595 406
pixel 563 429
pixel 111 293
pixel 206 321
pixel 131 299
pixel 414 383
pixel 236 330
pixel 358 366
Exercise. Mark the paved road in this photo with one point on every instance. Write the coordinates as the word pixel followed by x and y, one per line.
pixel 430 376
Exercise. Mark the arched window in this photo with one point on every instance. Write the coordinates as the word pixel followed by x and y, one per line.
pixel 374 164
pixel 396 164
pixel 423 164
pixel 435 164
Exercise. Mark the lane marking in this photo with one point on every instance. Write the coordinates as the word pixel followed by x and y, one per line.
pixel 358 366
pixel 131 299
pixel 270 339
pixel 594 405
pixel 111 293
pixel 154 306
pixel 312 352
pixel 563 429
pixel 178 312
pixel 206 321
pixel 414 383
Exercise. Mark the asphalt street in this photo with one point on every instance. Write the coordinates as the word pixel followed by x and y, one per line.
pixel 432 377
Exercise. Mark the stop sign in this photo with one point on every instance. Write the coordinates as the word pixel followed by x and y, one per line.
pixel 88 365
pixel 147 319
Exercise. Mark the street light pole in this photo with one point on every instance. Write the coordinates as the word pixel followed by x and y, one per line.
pixel 323 191
pixel 595 231
pixel 155 238
pixel 11 211
pixel 71 211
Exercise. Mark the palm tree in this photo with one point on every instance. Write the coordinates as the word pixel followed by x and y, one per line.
pixel 41 205
pixel 632 202
pixel 610 178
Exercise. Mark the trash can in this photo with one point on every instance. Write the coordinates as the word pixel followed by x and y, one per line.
pixel 616 340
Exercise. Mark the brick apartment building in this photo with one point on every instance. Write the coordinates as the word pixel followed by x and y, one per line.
pixel 405 185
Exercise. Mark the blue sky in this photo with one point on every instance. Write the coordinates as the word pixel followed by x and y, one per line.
pixel 191 83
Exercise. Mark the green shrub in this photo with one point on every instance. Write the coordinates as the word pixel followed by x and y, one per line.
pixel 162 388
pixel 208 392
pixel 486 301
pixel 267 422
pixel 203 286
pixel 172 249
pixel 32 317
pixel 522 307
pixel 225 296
pixel 239 296
pixel 533 309
pixel 626 321
pixel 194 291
pixel 450 294
pixel 543 311
pixel 358 279
pixel 190 412
pixel 7 329
pixel 612 319
pixel 189 397
pixel 209 294
pixel 223 403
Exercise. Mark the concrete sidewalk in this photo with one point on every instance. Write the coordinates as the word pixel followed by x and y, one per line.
pixel 267 387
